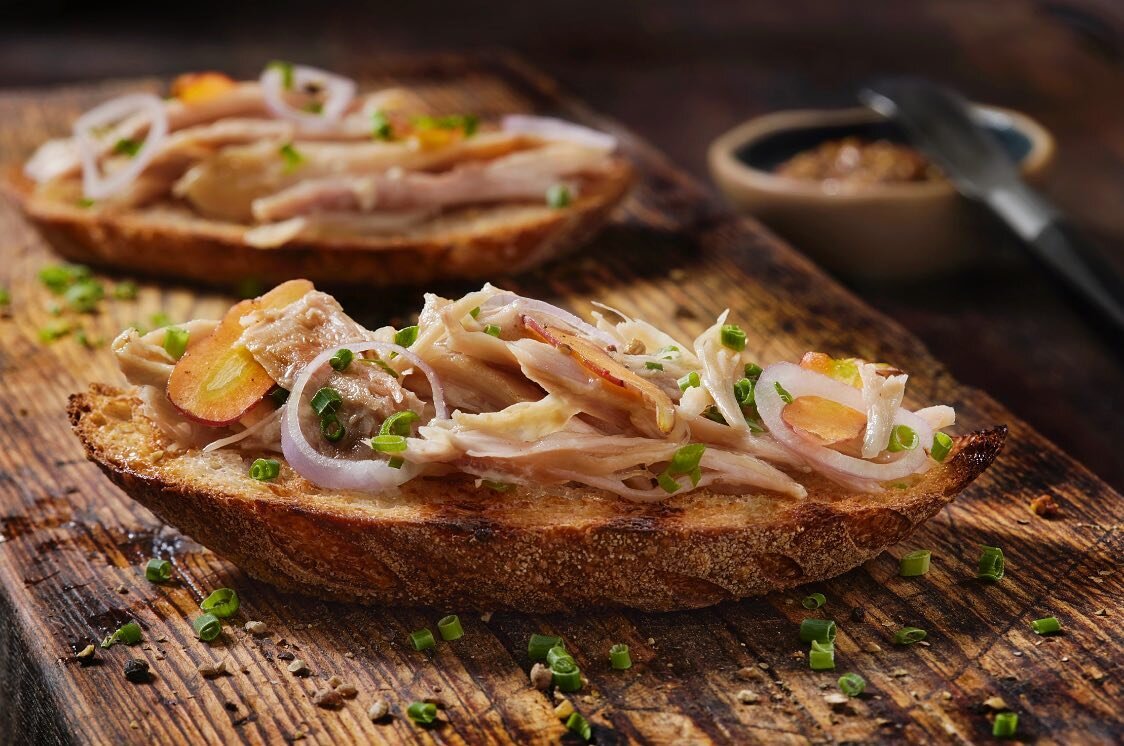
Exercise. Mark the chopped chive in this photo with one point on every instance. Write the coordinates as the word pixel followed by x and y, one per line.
pixel 909 635
pixel 685 462
pixel 814 601
pixel 466 122
pixel 539 645
pixel 474 312
pixel 1006 725
pixel 159 320
pixel 450 628
pixel 1046 626
pixel 326 401
pixel 668 483
pixel 578 724
pixel 314 107
pixel 85 202
pixel 492 329
pixel 496 486
pixel 292 157
pixel 852 684
pixel 388 443
pixel 671 352
pixel 942 446
pixel 406 336
pixel 992 564
pixel 128 633
pixel 915 563
pixel 558 196
pixel 396 462
pixel 822 630
pixel 265 469
pixel 222 602
pixel 823 645
pixel 653 366
pixel 380 126
pixel 54 331
pixel 743 392
pixel 903 438
pixel 341 359
pixel 567 675
pixel 332 429
pixel 422 713
pixel 753 371
pixel 207 627
pixel 733 337
pixel 126 290
pixel 785 396
pixel 619 658
pixel 279 395
pixel 158 570
pixel 399 423
pixel 58 277
pixel 175 341
pixel 5 297
pixel 557 653
pixel 286 69
pixel 83 296
pixel 422 639
pixel 689 381
pixel 127 146
pixel 713 414
pixel 821 657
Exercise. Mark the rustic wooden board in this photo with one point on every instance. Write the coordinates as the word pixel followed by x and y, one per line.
pixel 71 544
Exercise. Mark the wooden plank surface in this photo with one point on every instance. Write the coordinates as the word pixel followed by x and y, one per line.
pixel 71 545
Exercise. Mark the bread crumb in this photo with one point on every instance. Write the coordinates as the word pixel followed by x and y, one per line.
pixel 298 668
pixel 651 641
pixel 255 627
pixel 946 696
pixel 748 697
pixel 378 709
pixel 122 589
pixel 349 655
pixel 212 669
pixel 836 698
pixel 872 648
pixel 995 703
pixel 327 698
pixel 1100 612
pixel 564 710
pixel 763 666
pixel 899 672
pixel 541 677
pixel 745 674
pixel 334 681
pixel 486 617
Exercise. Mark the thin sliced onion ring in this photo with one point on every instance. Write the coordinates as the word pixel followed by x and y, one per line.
pixel 549 128
pixel 339 92
pixel 555 313
pixel 95 184
pixel 798 382
pixel 369 475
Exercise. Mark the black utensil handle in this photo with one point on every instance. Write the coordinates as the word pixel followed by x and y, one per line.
pixel 1083 268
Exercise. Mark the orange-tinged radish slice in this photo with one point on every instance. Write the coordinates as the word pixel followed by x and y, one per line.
pixel 193 88
pixel 217 381
pixel 823 420
pixel 602 365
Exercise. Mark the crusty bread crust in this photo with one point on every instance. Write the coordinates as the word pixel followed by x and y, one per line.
pixel 167 240
pixel 450 544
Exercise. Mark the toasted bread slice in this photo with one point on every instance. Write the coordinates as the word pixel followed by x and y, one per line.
pixel 168 240
pixel 448 543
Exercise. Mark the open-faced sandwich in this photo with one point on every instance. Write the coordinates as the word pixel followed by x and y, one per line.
pixel 504 453
pixel 298 175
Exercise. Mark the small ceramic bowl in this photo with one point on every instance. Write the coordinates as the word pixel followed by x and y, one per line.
pixel 868 231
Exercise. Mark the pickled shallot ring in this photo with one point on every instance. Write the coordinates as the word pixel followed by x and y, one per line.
pixel 549 128
pixel 98 185
pixel 801 382
pixel 330 472
pixel 339 92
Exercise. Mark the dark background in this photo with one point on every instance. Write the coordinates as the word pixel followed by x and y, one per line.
pixel 682 72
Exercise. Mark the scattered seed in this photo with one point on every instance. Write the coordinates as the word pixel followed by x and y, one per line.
pixel 349 655
pixel 122 589
pixel 746 674
pixel 285 655
pixel 86 655
pixel 1017 653
pixel 486 617
pixel 872 648
pixel 1100 612
pixel 836 698
pixel 212 669
pixel 995 703
pixel 298 668
pixel 651 641
pixel 347 691
pixel 946 696
pixel 858 614
pixel 256 628
pixel 541 677
pixel 748 697
pixel 137 671
pixel 327 698
pixel 334 681
pixel 564 709
pixel 899 672
pixel 378 709
pixel 763 666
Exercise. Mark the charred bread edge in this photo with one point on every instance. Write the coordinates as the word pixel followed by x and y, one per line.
pixel 645 557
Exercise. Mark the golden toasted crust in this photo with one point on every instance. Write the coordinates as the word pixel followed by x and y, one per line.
pixel 448 543
pixel 473 243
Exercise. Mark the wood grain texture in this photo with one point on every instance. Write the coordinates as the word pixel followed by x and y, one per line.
pixel 69 539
